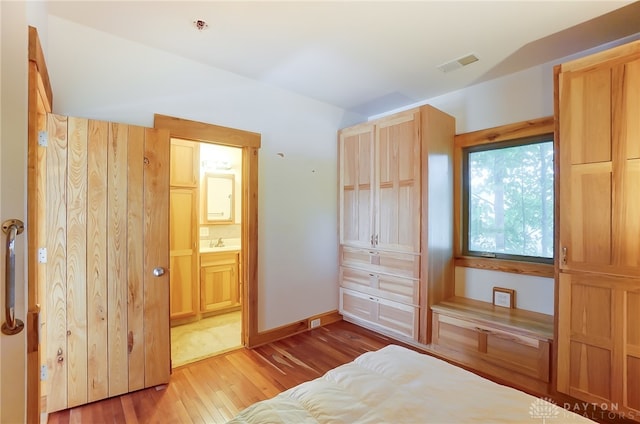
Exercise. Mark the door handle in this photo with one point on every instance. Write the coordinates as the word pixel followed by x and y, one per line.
pixel 11 228
pixel 158 271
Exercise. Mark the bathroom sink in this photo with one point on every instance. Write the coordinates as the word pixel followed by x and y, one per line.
pixel 230 248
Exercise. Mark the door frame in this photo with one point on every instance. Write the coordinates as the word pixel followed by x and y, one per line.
pixel 249 142
pixel 40 102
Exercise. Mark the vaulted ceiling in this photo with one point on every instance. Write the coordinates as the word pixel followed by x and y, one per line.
pixel 364 56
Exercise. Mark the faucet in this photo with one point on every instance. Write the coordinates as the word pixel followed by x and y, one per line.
pixel 220 243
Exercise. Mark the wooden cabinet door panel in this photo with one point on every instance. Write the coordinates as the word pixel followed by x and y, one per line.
pixel 398 183
pixel 588 242
pixel 590 328
pixel 356 150
pixel 183 297
pixel 219 287
pixel 600 167
pixel 585 115
pixel 219 281
pixel 184 168
pixel 626 224
pixel 183 228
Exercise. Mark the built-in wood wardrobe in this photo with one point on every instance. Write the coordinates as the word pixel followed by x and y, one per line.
pixel 598 228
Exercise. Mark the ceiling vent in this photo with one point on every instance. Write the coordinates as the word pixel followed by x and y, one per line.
pixel 458 63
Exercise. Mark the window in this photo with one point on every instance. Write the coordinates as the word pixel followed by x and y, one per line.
pixel 508 199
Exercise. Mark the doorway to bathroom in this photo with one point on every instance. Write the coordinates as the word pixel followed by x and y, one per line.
pixel 205 250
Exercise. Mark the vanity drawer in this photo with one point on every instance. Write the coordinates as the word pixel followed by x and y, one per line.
pixel 218 258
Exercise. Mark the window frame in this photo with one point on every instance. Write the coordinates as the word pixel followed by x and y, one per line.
pixel 502 134
pixel 524 141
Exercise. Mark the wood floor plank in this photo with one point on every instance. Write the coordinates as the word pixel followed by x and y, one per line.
pixel 216 389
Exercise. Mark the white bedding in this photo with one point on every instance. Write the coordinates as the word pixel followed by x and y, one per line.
pixel 398 385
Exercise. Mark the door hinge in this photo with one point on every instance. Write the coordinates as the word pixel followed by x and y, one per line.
pixel 42 255
pixel 43 138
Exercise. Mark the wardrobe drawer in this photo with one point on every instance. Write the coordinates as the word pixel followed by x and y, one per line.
pixel 394 263
pixel 399 289
pixel 388 315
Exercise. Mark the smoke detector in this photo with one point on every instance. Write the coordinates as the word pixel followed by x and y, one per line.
pixel 458 63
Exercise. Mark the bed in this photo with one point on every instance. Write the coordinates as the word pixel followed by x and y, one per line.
pixel 399 385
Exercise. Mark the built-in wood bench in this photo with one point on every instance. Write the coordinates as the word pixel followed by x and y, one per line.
pixel 513 345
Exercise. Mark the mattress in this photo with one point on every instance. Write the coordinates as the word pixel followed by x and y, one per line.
pixel 399 385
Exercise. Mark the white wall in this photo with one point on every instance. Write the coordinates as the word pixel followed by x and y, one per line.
pixel 13 159
pixel 524 95
pixel 99 76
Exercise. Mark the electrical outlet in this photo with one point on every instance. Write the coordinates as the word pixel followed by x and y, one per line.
pixel 43 373
pixel 315 323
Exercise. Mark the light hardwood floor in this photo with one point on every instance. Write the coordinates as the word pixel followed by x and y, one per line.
pixel 215 389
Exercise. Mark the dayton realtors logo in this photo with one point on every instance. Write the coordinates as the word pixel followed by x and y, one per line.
pixel 544 409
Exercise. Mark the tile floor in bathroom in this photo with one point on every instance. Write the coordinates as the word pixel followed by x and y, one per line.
pixel 207 337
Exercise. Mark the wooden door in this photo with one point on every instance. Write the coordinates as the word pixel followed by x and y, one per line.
pixel 599 228
pixel 356 150
pixel 183 230
pixel 600 168
pixel 107 315
pixel 397 219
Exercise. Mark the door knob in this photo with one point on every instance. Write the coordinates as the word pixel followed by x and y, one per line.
pixel 158 271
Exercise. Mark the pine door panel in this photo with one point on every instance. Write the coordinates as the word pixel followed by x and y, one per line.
pixel 398 165
pixel 156 337
pixel 585 115
pixel 630 108
pixel 183 279
pixel 135 257
pixel 107 317
pixel 356 186
pixel 97 292
pixel 184 163
pixel 586 362
pixel 600 169
pixel 76 261
pixel 56 296
pixel 626 222
pixel 117 259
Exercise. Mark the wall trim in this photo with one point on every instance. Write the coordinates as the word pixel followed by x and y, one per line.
pixel 287 330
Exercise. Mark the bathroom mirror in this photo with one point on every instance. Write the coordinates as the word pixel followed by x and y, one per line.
pixel 218 198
